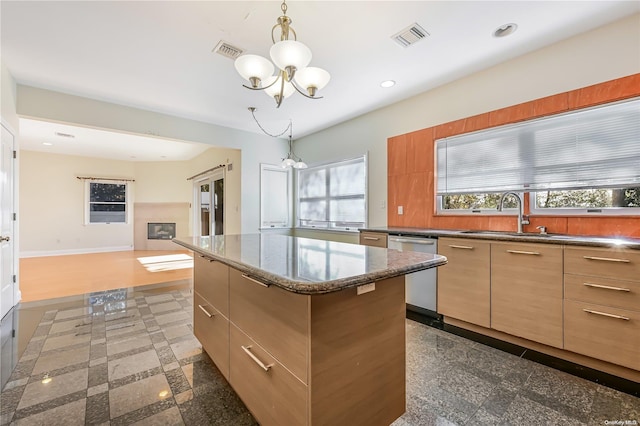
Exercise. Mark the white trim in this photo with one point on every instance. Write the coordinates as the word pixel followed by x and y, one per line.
pixel 40 253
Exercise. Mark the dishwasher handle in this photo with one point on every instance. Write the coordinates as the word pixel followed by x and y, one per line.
pixel 426 242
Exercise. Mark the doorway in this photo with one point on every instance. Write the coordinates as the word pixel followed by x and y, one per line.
pixel 7 201
pixel 209 212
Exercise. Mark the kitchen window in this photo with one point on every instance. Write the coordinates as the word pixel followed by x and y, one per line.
pixel 107 202
pixel 275 197
pixel 333 196
pixel 608 201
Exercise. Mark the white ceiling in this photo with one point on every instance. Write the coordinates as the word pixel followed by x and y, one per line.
pixel 158 55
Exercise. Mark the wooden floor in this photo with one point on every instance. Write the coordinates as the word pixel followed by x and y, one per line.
pixel 60 276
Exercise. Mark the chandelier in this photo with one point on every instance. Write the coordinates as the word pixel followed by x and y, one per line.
pixel 291 160
pixel 291 57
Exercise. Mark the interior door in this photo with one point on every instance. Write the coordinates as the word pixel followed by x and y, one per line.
pixel 209 196
pixel 6 223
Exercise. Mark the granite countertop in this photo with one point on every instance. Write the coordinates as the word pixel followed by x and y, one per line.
pixel 308 266
pixel 575 240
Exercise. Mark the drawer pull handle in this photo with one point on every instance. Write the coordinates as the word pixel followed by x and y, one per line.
pixel 604 314
pixel 206 258
pixel 205 311
pixel 372 238
pixel 247 350
pixel 606 287
pixel 255 281
pixel 461 247
pixel 533 253
pixel 607 259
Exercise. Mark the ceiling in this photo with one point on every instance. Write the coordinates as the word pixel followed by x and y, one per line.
pixel 158 56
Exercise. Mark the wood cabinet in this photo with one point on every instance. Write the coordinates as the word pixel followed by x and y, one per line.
pixel 299 359
pixel 375 239
pixel 526 291
pixel 211 280
pixel 464 283
pixel 602 304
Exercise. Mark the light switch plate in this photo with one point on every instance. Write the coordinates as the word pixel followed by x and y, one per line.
pixel 366 288
pixel 400 210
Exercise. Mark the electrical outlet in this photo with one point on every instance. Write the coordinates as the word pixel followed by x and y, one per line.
pixel 383 205
pixel 400 210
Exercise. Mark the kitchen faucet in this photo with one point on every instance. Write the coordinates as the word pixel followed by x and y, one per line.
pixel 521 219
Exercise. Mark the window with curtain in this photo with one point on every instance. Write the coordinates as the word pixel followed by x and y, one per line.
pixel 582 160
pixel 333 196
pixel 106 202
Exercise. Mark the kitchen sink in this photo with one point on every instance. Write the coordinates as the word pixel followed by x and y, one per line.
pixel 523 234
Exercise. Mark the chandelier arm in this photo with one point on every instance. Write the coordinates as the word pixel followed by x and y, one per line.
pixel 302 92
pixel 281 96
pixel 288 128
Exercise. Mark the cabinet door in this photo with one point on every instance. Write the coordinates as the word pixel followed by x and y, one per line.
pixel 464 286
pixel 526 291
pixel 273 394
pixel 603 332
pixel 376 239
pixel 212 330
pixel 211 280
pixel 618 264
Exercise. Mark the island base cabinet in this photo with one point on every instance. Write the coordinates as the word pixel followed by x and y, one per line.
pixel 212 330
pixel 273 395
pixel 602 332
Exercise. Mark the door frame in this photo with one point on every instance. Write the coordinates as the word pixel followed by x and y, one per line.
pixel 16 294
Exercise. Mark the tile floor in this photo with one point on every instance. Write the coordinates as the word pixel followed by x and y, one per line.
pixel 129 357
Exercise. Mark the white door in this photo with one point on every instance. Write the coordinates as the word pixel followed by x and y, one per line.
pixel 6 223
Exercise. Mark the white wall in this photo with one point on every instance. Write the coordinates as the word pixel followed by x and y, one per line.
pixel 255 149
pixel 52 205
pixel 606 53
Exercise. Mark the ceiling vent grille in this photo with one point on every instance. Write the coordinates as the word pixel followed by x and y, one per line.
pixel 225 49
pixel 410 35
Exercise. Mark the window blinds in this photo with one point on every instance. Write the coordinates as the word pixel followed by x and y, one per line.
pixel 590 148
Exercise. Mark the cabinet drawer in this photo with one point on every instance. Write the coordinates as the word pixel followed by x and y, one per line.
pixel 212 332
pixel 375 239
pixel 603 291
pixel 274 396
pixel 211 280
pixel 278 320
pixel 464 283
pixel 609 263
pixel 605 333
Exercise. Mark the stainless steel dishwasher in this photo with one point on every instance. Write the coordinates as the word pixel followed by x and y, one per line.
pixel 420 286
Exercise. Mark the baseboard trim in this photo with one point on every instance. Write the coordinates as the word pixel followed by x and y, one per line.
pixel 43 253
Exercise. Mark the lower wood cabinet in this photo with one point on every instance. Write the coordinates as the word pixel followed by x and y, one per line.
pixel 464 283
pixel 376 239
pixel 603 332
pixel 273 394
pixel 211 328
pixel 526 291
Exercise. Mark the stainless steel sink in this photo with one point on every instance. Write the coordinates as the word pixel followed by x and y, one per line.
pixel 523 234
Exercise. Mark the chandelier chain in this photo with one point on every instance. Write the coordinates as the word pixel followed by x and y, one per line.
pixel 288 128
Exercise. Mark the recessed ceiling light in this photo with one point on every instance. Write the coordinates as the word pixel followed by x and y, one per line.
pixel 388 83
pixel 47 143
pixel 163 156
pixel 505 30
pixel 65 135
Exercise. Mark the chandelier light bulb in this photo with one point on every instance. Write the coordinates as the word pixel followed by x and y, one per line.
pixel 252 67
pixel 312 79
pixel 288 162
pixel 290 54
pixel 300 165
pixel 274 90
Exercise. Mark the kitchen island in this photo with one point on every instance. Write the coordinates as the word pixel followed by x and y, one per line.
pixel 307 332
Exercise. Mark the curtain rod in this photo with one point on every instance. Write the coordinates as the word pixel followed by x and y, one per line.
pixel 206 171
pixel 101 178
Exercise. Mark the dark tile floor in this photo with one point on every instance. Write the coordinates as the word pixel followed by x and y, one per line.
pixel 129 357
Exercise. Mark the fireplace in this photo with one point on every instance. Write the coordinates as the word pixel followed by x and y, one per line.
pixel 161 231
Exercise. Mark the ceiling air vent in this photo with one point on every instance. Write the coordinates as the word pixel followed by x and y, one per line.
pixel 410 35
pixel 225 49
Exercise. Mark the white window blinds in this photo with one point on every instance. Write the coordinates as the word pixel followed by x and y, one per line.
pixel 275 197
pixel 590 148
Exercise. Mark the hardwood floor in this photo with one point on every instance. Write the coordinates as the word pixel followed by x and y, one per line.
pixel 70 275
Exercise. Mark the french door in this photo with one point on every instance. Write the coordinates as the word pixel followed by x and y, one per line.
pixel 209 203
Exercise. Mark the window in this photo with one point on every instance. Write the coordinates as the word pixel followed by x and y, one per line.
pixel 275 196
pixel 106 202
pixel 474 203
pixel 333 196
pixel 587 201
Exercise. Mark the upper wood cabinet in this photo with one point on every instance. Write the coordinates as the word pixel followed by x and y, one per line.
pixel 464 283
pixel 526 291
